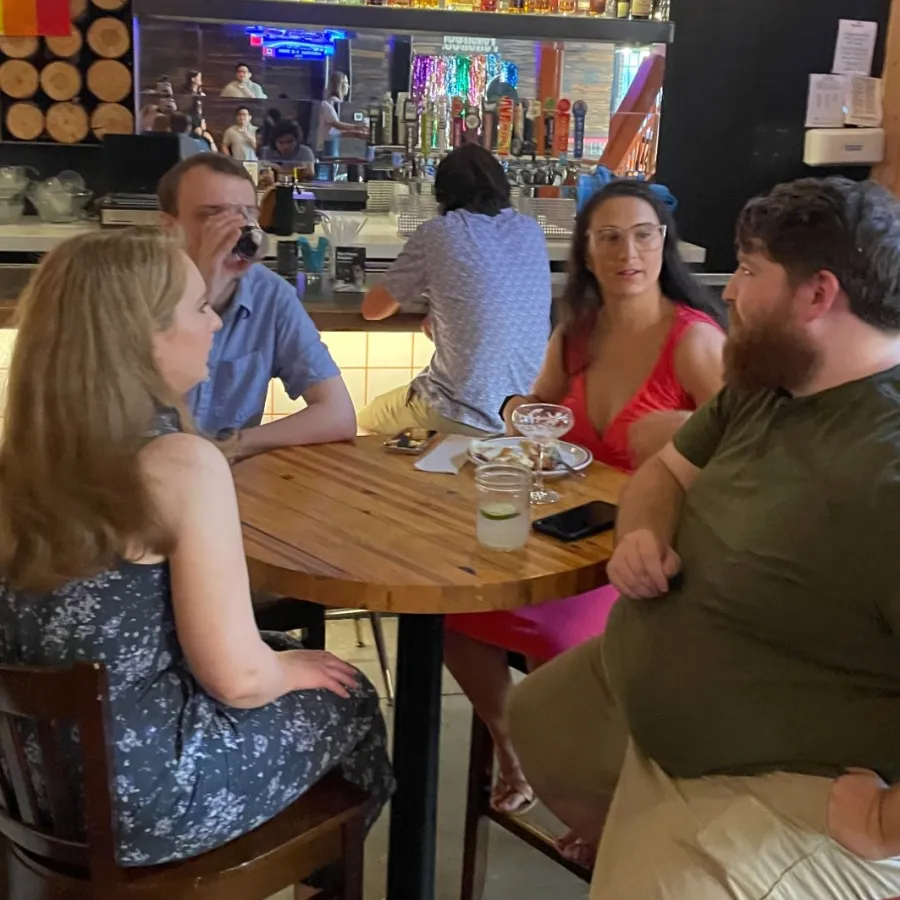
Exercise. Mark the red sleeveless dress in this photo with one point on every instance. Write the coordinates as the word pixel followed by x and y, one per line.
pixel 542 632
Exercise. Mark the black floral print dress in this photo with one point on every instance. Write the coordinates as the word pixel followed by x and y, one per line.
pixel 190 772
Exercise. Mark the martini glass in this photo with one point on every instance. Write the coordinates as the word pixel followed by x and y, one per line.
pixel 543 423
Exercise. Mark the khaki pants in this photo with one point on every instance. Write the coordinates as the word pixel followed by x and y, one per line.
pixel 398 410
pixel 716 838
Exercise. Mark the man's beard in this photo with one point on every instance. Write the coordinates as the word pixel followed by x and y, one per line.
pixel 769 354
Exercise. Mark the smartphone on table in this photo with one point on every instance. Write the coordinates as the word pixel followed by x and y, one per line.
pixel 579 522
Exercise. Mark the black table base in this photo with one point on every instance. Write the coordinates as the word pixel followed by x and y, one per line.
pixel 417 731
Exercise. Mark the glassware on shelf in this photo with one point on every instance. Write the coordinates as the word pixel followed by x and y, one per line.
pixel 541 6
pixel 503 519
pixel 544 424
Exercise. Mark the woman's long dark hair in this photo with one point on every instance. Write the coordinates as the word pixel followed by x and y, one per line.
pixel 582 294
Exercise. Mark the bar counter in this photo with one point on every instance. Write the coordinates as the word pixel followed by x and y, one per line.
pixel 374 357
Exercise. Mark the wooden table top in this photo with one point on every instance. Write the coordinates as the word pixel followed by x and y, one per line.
pixel 352 525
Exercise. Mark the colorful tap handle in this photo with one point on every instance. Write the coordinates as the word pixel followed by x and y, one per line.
pixel 489 116
pixel 518 128
pixel 505 111
pixel 532 117
pixel 473 124
pixel 561 135
pixel 579 112
pixel 549 123
pixel 457 114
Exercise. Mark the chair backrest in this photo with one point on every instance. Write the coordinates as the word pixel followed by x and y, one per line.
pixel 51 700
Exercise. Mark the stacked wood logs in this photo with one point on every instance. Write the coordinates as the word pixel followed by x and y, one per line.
pixel 73 88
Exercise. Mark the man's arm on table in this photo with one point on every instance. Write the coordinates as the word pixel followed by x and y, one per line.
pixel 328 416
pixel 306 369
pixel 405 280
pixel 650 505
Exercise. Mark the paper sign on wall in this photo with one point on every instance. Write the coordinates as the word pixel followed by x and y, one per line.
pixel 864 102
pixel 855 47
pixel 825 106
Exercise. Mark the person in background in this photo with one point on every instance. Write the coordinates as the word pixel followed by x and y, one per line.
pixel 147 118
pixel 330 127
pixel 636 352
pixel 130 552
pixel 162 124
pixel 286 150
pixel 266 333
pixel 198 127
pixel 747 688
pixel 485 271
pixel 239 139
pixel 180 124
pixel 193 83
pixel 243 87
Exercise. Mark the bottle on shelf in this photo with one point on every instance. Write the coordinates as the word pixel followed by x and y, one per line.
pixel 623 9
pixel 462 5
pixel 598 7
pixel 398 3
pixel 661 10
pixel 488 5
pixel 515 6
pixel 565 7
pixel 374 2
pixel 542 6
pixel 641 9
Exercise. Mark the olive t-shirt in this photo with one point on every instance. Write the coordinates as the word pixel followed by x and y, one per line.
pixel 779 649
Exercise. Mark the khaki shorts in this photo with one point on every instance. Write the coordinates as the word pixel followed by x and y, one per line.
pixel 716 838
pixel 398 410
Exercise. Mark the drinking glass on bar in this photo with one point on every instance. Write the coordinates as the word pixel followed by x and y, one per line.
pixel 544 424
pixel 502 517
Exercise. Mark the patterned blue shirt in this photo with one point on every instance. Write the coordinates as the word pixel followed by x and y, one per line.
pixel 487 282
pixel 266 333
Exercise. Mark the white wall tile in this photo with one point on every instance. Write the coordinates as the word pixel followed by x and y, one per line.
pixel 282 405
pixel 7 339
pixel 355 379
pixel 422 350
pixel 348 348
pixel 390 350
pixel 380 381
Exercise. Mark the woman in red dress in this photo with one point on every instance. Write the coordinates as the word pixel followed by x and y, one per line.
pixel 639 348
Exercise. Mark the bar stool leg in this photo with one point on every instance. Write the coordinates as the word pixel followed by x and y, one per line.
pixel 357 627
pixel 384 662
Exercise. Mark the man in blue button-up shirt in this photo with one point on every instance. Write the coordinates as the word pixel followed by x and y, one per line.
pixel 266 333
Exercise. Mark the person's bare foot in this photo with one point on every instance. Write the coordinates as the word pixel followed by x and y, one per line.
pixel 577 850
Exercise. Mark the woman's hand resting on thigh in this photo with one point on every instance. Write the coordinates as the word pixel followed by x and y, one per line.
pixel 855 814
pixel 312 670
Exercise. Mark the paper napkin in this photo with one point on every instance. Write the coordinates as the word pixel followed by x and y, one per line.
pixel 448 457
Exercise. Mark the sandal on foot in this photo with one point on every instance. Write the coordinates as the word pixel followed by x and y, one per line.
pixel 576 850
pixel 505 791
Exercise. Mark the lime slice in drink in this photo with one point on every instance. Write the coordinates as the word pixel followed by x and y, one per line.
pixel 497 512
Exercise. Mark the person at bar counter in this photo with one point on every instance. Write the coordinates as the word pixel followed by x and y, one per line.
pixel 239 139
pixel 484 270
pixel 330 127
pixel 243 86
pixel 120 541
pixel 754 658
pixel 637 350
pixel 266 333
pixel 285 148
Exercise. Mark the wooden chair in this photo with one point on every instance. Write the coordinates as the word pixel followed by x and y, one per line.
pixel 480 813
pixel 49 860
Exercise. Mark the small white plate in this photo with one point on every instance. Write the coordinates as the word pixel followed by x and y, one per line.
pixel 577 457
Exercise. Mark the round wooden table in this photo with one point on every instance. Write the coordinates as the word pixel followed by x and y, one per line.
pixel 352 525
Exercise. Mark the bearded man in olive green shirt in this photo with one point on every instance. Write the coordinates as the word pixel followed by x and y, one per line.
pixel 750 674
